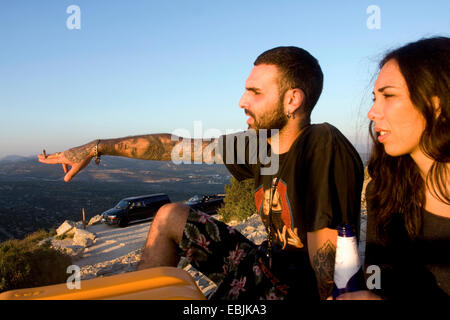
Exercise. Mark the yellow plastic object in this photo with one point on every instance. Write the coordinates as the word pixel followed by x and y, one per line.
pixel 162 283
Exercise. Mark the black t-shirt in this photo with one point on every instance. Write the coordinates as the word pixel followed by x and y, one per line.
pixel 320 182
pixel 410 268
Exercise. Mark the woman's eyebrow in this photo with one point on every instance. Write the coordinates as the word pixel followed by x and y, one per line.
pixel 384 88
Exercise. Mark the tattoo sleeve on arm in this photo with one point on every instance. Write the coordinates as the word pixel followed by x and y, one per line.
pixel 323 264
pixel 155 147
pixel 146 147
pixel 80 153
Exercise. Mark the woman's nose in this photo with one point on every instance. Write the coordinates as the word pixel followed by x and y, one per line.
pixel 374 113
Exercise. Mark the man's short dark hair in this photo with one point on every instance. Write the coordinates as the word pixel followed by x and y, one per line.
pixel 299 69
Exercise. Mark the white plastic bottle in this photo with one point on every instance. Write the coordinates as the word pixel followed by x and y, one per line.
pixel 348 274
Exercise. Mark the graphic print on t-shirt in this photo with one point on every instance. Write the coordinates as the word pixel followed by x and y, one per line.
pixel 281 213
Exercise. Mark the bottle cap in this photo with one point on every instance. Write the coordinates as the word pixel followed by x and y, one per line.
pixel 346 230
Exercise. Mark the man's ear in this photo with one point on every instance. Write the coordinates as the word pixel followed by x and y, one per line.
pixel 293 99
pixel 436 102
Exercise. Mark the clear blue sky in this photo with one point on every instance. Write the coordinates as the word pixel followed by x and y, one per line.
pixel 139 67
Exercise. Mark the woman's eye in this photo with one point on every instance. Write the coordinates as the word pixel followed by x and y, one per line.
pixel 388 95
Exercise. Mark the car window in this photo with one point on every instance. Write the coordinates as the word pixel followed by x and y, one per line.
pixel 122 204
pixel 148 202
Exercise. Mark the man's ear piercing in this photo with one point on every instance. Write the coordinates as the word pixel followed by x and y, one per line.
pixel 289 115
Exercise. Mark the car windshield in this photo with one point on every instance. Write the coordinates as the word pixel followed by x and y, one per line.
pixel 122 204
pixel 194 198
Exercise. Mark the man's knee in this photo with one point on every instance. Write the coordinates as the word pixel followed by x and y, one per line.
pixel 172 211
pixel 173 217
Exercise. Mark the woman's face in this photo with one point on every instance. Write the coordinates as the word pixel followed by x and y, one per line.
pixel 398 124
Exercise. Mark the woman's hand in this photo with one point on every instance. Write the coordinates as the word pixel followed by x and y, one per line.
pixel 77 158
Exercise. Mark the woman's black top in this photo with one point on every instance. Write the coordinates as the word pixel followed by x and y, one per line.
pixel 417 269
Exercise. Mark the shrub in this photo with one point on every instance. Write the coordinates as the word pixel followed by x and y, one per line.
pixel 239 203
pixel 39 235
pixel 25 264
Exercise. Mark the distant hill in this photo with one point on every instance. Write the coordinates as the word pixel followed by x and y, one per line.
pixel 13 157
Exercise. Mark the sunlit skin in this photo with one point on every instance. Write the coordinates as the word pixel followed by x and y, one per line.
pixel 394 113
pixel 261 99
pixel 266 106
pixel 399 125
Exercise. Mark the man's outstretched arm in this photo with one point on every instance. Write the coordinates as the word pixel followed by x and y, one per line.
pixel 146 147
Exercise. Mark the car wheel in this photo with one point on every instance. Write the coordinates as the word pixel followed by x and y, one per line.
pixel 123 222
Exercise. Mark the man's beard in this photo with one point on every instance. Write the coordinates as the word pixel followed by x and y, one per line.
pixel 274 120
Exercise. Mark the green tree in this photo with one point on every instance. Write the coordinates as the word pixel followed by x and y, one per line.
pixel 239 202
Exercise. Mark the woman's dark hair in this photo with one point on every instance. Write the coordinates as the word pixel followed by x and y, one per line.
pixel 398 187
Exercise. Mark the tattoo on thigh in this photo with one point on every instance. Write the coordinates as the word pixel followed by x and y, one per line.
pixel 323 264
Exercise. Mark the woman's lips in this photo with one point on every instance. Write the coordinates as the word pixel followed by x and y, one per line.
pixel 382 134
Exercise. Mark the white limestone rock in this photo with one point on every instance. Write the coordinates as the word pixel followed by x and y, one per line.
pixel 66 246
pixel 83 238
pixel 65 227
pixel 95 220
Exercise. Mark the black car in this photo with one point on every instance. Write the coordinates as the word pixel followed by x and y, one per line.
pixel 135 209
pixel 207 203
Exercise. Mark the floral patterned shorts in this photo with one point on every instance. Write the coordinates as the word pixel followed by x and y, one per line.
pixel 229 259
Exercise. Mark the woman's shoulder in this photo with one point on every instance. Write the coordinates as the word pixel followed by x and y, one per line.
pixel 435 227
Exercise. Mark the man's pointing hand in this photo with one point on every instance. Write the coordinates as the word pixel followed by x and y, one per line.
pixel 76 158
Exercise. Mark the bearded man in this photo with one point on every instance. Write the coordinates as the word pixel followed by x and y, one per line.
pixel 317 185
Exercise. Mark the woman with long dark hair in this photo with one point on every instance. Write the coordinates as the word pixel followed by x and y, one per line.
pixel 408 198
